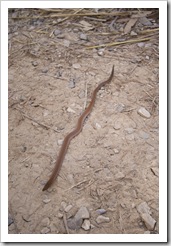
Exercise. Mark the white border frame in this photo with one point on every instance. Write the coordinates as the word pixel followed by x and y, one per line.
pixel 162 236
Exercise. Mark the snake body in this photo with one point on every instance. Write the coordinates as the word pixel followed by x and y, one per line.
pixel 74 133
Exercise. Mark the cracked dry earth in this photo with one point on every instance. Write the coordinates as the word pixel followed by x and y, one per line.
pixel 111 165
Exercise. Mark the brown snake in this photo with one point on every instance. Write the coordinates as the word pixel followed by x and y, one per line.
pixel 74 133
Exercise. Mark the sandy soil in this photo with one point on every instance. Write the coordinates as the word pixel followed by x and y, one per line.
pixel 113 163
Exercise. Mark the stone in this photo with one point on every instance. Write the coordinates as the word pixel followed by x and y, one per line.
pixel 102 219
pixel 86 225
pixel 76 65
pixel 101 211
pixel 57 32
pixel 83 36
pixel 71 83
pixel 149 221
pixel 68 208
pixel 143 112
pixel 46 200
pixel 10 220
pixel 45 222
pixel 45 230
pixel 143 208
pixel 83 213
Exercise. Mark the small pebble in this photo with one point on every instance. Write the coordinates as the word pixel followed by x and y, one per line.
pixel 149 221
pixel 76 65
pixel 66 43
pixel 117 125
pixel 100 52
pixel 147 57
pixel 71 83
pixel 116 151
pixel 45 230
pixel 143 112
pixel 119 175
pixel 140 45
pixel 102 219
pixel 45 222
pixel 143 208
pixel 101 211
pixel 74 224
pixel 68 208
pixel 82 213
pixel 60 215
pixel 63 205
pixel 98 126
pixel 57 32
pixel 133 33
pixel 34 63
pixel 86 225
pixel 70 110
pixel 46 201
pixel 83 36
pixel 44 70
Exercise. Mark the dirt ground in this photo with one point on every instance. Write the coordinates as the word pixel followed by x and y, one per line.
pixel 112 164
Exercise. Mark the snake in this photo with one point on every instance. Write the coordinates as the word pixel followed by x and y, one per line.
pixel 74 133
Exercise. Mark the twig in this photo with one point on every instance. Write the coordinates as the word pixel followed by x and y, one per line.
pixel 76 185
pixel 118 43
pixel 65 222
pixel 30 118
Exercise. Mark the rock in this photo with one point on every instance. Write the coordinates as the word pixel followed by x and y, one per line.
pixel 147 57
pixel 45 222
pixel 133 33
pixel 117 125
pixel 71 83
pixel 83 213
pixel 149 221
pixel 145 21
pixel 120 107
pixel 100 52
pixel 116 151
pixel 97 126
pixel 46 200
pixel 57 32
pixel 66 43
pixel 60 215
pixel 86 225
pixel 60 142
pixel 102 219
pixel 68 208
pixel 83 36
pixel 143 112
pixel 76 66
pixel 10 220
pixel 45 230
pixel 61 36
pixel 147 232
pixel 45 70
pixel 74 224
pixel 70 110
pixel 119 175
pixel 101 211
pixel 141 44
pixel 34 63
pixel 143 208
pixel 63 205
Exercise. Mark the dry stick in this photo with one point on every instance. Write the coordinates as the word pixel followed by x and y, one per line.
pixel 67 15
pixel 30 118
pixel 65 222
pixel 118 43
